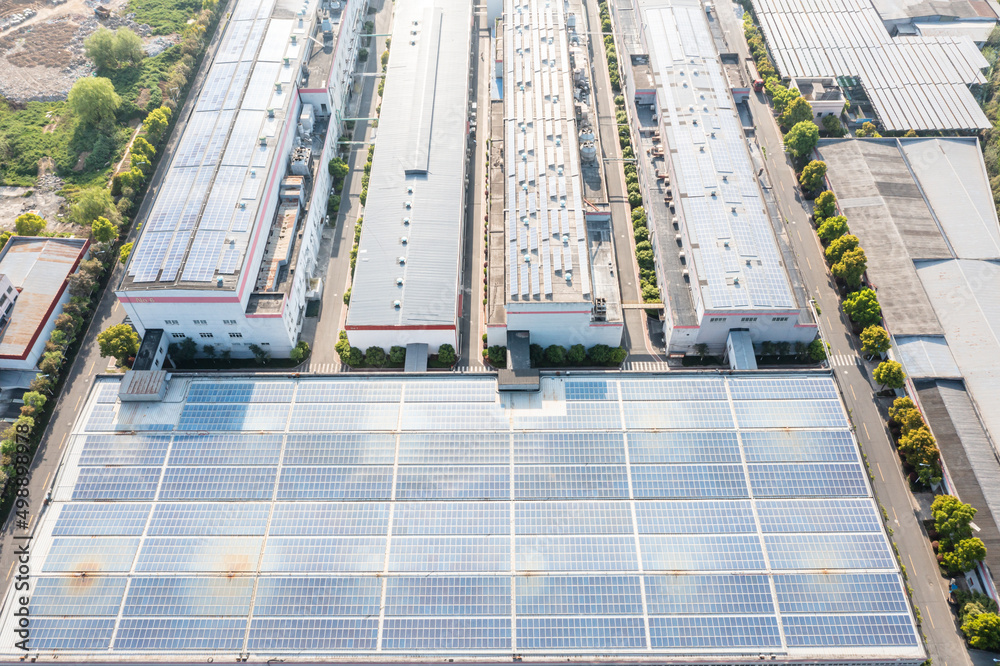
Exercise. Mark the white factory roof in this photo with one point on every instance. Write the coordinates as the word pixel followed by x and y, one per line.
pixel 211 199
pixel 919 83
pixel 411 244
pixel 734 251
pixel 548 257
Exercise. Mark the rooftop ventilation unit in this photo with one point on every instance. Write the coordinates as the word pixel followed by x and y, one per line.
pixel 409 190
pixel 219 281
pixel 569 276
pixel 401 260
pixel 736 280
pixel 402 240
pixel 243 205
pixel 406 220
pixel 397 304
pixel 277 87
pixel 270 113
pixel 527 258
pixel 399 282
pixel 263 140
pixel 409 205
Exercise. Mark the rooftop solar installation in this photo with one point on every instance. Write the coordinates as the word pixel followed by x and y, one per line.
pixel 734 261
pixel 918 83
pixel 607 517
pixel 199 228
pixel 545 221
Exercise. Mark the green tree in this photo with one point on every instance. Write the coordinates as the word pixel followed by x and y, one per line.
pixel 811 178
pixel 952 518
pixel 832 227
pixel 639 217
pixel 875 340
pixel 446 354
pixel 34 399
pixel 29 224
pixel 397 355
pixel 81 285
pixel 93 99
pixel 618 355
pixel 900 405
pixel 889 373
pixel 355 357
pixel 103 231
pixel 92 203
pixel 374 357
pixel 867 130
pixel 851 267
pixel 4 237
pixel 781 96
pixel 208 351
pixel 911 420
pixel 832 126
pixel 817 351
pixel 260 355
pixel 50 363
pixel 919 447
pixel 862 307
pixel 838 246
pixel 300 352
pixel 124 253
pixel 825 205
pixel 983 631
pixel 342 347
pixel 555 355
pixel 141 147
pixel 599 354
pixel 498 356
pixel 120 342
pixel 577 355
pixel 966 555
pixel 802 138
pixel 156 123
pixel 338 171
pixel 536 355
pixel 797 111
pixel 128 48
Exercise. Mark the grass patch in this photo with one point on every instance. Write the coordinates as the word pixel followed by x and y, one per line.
pixel 49 130
pixel 165 17
pixel 130 81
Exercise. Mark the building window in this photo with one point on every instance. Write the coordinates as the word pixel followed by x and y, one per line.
pixel 229 322
pixel 200 321
pixel 178 335
pixel 206 335
pixel 717 319
pixel 10 289
pixel 266 344
pixel 170 322
pixel 749 319
pixel 236 335
pixel 779 319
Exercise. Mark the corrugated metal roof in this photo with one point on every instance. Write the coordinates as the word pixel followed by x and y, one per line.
pixel 38 268
pixel 926 357
pixel 918 83
pixel 416 187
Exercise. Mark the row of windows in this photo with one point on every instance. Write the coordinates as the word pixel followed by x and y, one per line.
pixel 199 322
pixel 716 320
pixel 209 335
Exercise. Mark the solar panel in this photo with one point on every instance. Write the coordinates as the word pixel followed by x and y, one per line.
pixel 475 526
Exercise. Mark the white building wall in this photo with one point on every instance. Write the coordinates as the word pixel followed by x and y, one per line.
pixel 564 324
pixel 715 327
pixel 386 338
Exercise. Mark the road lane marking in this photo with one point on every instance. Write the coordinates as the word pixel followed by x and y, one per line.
pixel 809 263
pixel 46 484
pixel 78 401
pixel 11 570
pixel 92 364
pixel 853 394
pixel 63 439
pixel 865 426
pixel 930 617
pixel 880 472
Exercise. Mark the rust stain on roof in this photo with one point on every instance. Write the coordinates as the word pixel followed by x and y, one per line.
pixel 38 268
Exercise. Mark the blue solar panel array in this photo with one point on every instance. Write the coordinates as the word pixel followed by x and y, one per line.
pixel 651 515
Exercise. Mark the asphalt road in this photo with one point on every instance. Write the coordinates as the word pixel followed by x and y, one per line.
pixel 335 248
pixel 943 640
pixel 470 352
pixel 88 363
pixel 638 333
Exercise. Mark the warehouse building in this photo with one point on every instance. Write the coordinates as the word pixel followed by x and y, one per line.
pixel 551 251
pixel 229 248
pixel 912 82
pixel 924 212
pixel 33 290
pixel 719 265
pixel 407 283
pixel 621 517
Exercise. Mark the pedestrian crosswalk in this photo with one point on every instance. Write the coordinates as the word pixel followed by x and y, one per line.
pixel 325 368
pixel 645 366
pixel 843 360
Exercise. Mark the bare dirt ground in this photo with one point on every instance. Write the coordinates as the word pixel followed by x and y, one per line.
pixel 42 199
pixel 41 54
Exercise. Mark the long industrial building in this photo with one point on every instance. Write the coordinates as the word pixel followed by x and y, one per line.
pixel 229 248
pixel 614 518
pixel 407 283
pixel 552 267
pixel 923 210
pixel 719 265
pixel 912 82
